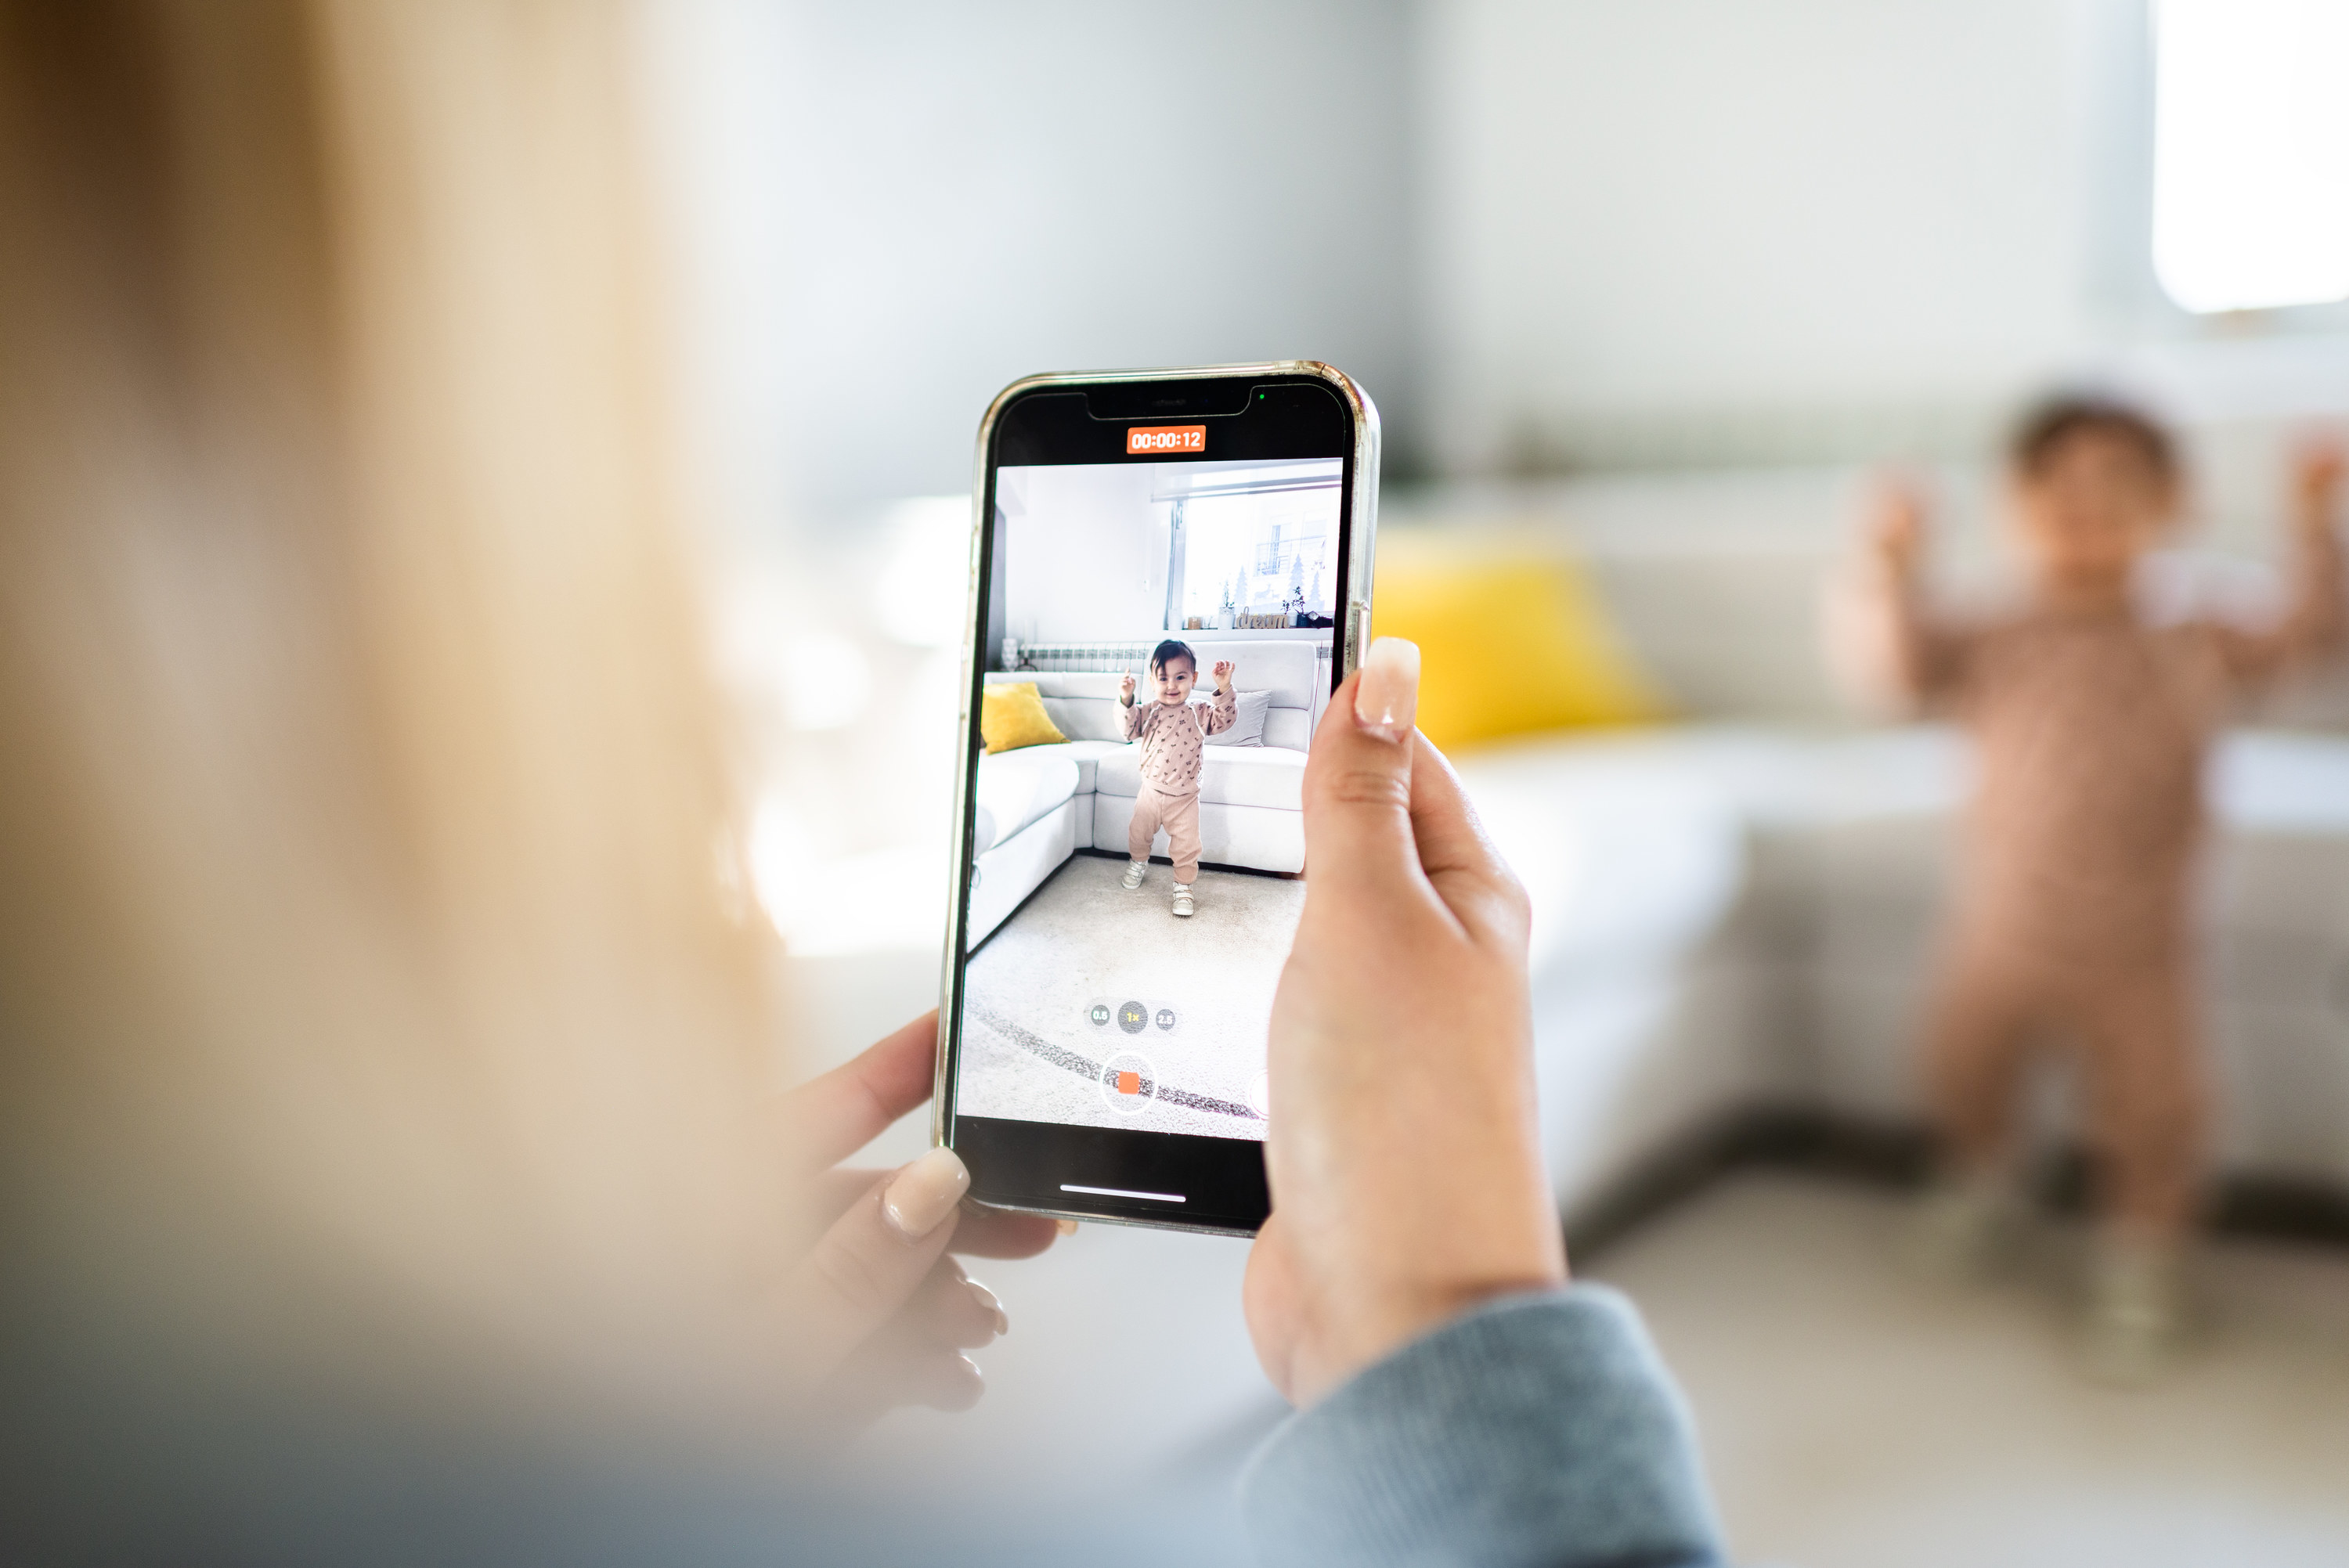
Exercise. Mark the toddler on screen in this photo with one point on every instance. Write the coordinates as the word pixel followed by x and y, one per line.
pixel 1173 731
pixel 2091 722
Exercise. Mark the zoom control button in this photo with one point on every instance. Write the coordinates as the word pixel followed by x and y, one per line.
pixel 1131 1016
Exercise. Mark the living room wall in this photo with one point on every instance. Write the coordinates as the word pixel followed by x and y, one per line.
pixel 1086 554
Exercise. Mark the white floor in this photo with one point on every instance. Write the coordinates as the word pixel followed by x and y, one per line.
pixel 1852 1417
pixel 1046 990
pixel 1849 1417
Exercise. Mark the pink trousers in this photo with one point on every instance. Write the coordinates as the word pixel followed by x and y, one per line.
pixel 1179 815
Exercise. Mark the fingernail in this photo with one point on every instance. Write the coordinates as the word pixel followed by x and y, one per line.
pixel 925 1194
pixel 1386 699
pixel 987 1303
pixel 1067 1227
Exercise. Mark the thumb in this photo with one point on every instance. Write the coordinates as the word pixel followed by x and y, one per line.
pixel 1358 837
pixel 873 1258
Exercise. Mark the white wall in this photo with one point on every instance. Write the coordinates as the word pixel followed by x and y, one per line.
pixel 1085 553
pixel 1610 233
pixel 888 209
pixel 1685 205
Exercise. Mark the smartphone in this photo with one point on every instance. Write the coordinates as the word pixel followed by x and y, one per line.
pixel 1171 574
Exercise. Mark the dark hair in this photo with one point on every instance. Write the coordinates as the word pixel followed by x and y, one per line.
pixel 2057 420
pixel 1170 649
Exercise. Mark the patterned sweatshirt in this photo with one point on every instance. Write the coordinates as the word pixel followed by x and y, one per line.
pixel 1174 739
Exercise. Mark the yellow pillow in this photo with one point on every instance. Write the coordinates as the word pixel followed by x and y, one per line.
pixel 1512 635
pixel 1011 715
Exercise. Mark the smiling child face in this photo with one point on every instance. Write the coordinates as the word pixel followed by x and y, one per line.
pixel 2093 506
pixel 1175 679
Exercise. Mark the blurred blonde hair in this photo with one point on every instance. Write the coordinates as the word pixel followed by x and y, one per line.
pixel 368 979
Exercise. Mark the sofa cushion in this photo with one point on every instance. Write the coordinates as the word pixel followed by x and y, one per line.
pixel 1270 775
pixel 1516 643
pixel 1011 715
pixel 1016 788
pixel 1248 725
pixel 1084 703
pixel 1085 754
pixel 1286 669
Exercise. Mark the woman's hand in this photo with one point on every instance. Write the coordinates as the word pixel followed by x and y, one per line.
pixel 880 1312
pixel 1406 1169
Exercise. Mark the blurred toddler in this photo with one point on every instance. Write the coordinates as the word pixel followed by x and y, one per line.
pixel 2073 915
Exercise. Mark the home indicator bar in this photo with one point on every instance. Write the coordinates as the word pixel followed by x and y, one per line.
pixel 1121 1192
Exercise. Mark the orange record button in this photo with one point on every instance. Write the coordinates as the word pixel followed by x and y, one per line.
pixel 1165 438
pixel 1129 1083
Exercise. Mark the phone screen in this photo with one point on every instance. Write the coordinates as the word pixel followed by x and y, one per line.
pixel 1157 638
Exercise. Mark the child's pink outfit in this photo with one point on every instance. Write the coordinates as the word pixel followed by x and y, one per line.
pixel 2076 901
pixel 1173 751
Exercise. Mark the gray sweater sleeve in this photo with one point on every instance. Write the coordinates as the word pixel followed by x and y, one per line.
pixel 1538 1429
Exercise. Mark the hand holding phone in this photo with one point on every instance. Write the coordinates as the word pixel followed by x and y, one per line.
pixel 1099 1059
pixel 880 1308
pixel 1406 1167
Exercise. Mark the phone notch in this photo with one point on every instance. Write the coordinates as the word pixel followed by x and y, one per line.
pixel 1204 399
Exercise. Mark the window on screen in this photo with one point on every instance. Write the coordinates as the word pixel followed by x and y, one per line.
pixel 1256 550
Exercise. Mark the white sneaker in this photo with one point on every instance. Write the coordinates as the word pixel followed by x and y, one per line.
pixel 1963 1228
pixel 1133 869
pixel 1183 899
pixel 2136 1309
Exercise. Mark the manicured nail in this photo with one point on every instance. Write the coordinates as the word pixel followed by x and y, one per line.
pixel 988 1304
pixel 1067 1227
pixel 1386 699
pixel 925 1194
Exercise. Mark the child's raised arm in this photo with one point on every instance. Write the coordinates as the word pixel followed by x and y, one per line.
pixel 2317 620
pixel 1889 640
pixel 1223 710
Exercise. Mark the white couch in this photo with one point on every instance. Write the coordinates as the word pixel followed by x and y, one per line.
pixel 1733 917
pixel 1038 805
pixel 1739 912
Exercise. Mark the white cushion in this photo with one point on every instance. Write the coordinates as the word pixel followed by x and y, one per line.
pixel 1286 669
pixel 1267 776
pixel 1083 704
pixel 1247 726
pixel 1288 726
pixel 1260 838
pixel 1085 754
pixel 1015 788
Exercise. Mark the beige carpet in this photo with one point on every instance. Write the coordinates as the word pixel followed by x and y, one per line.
pixel 1034 1049
pixel 1852 1418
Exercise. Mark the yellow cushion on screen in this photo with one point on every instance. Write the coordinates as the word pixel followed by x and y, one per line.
pixel 1010 715
pixel 1512 640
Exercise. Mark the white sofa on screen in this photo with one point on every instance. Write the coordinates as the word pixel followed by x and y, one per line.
pixel 1038 805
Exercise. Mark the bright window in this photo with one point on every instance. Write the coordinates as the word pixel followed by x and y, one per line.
pixel 1256 548
pixel 2250 188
